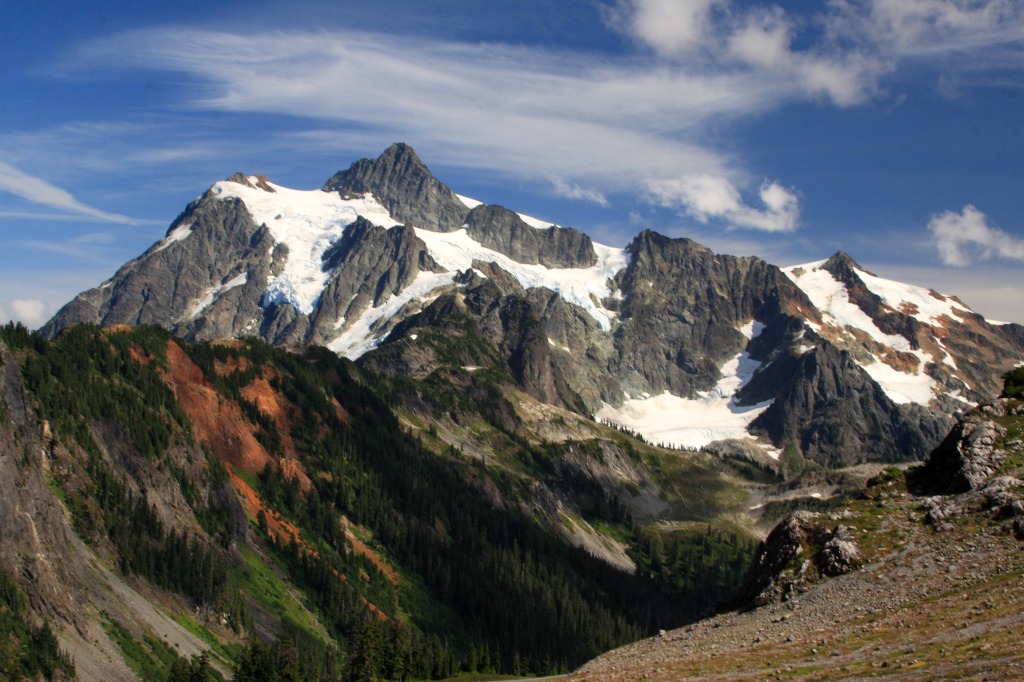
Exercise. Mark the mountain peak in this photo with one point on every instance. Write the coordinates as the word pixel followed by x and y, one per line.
pixel 403 184
pixel 841 260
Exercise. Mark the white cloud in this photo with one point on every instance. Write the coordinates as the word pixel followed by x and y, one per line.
pixel 706 197
pixel 763 39
pixel 38 191
pixel 670 27
pixel 965 237
pixel 933 26
pixel 32 312
pixel 572 191
pixel 601 127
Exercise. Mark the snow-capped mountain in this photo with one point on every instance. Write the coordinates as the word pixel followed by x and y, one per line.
pixel 387 265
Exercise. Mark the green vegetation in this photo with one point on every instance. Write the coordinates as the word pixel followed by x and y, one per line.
pixel 709 565
pixel 449 579
pixel 27 650
pixel 1013 384
pixel 151 659
pixel 88 378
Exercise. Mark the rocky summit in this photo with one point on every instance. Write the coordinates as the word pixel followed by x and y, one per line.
pixel 824 362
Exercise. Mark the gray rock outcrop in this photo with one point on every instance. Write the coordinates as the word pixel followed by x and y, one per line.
pixel 782 565
pixel 400 181
pixel 968 456
pixel 504 231
pixel 167 284
pixel 368 265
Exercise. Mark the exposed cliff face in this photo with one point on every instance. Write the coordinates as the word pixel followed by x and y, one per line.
pixel 504 231
pixel 368 266
pixel 65 579
pixel 828 406
pixel 973 452
pixel 204 280
pixel 682 310
pixel 402 183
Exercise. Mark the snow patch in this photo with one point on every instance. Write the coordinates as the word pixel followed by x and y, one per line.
pixel 831 298
pixel 555 344
pixel 308 222
pixel 584 287
pixel 468 203
pixel 536 223
pixel 176 235
pixel 695 422
pixel 904 297
pixel 360 338
pixel 214 292
pixel 948 357
pixel 903 388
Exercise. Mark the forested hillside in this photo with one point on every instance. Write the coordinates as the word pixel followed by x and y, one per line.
pixel 278 507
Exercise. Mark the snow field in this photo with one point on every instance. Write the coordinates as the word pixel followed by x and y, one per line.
pixel 308 222
pixel 585 287
pixel 831 298
pixel 695 422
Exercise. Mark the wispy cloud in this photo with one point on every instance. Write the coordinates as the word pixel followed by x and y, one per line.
pixel 967 236
pixel 38 191
pixel 637 124
pixel 573 191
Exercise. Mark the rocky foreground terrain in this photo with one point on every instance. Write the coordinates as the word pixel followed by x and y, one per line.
pixel 935 588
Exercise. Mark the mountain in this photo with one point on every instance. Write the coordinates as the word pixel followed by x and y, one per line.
pixel 236 508
pixel 823 362
pixel 381 430
pixel 916 578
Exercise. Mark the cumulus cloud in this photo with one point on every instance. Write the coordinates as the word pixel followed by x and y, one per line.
pixel 31 312
pixel 669 26
pixel 38 191
pixel 706 197
pixel 967 236
pixel 840 52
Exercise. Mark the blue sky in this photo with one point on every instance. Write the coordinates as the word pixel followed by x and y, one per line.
pixel 891 129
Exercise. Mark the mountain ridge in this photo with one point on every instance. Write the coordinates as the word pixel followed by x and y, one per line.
pixel 652 326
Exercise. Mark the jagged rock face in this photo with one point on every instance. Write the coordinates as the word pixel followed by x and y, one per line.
pixel 780 567
pixel 682 309
pixel 402 183
pixel 369 264
pixel 890 321
pixel 969 455
pixel 167 284
pixel 840 554
pixel 33 523
pixel 830 407
pixel 504 231
pixel 662 315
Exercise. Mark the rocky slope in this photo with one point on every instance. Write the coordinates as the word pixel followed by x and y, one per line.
pixel 664 337
pixel 67 580
pixel 165 499
pixel 929 582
